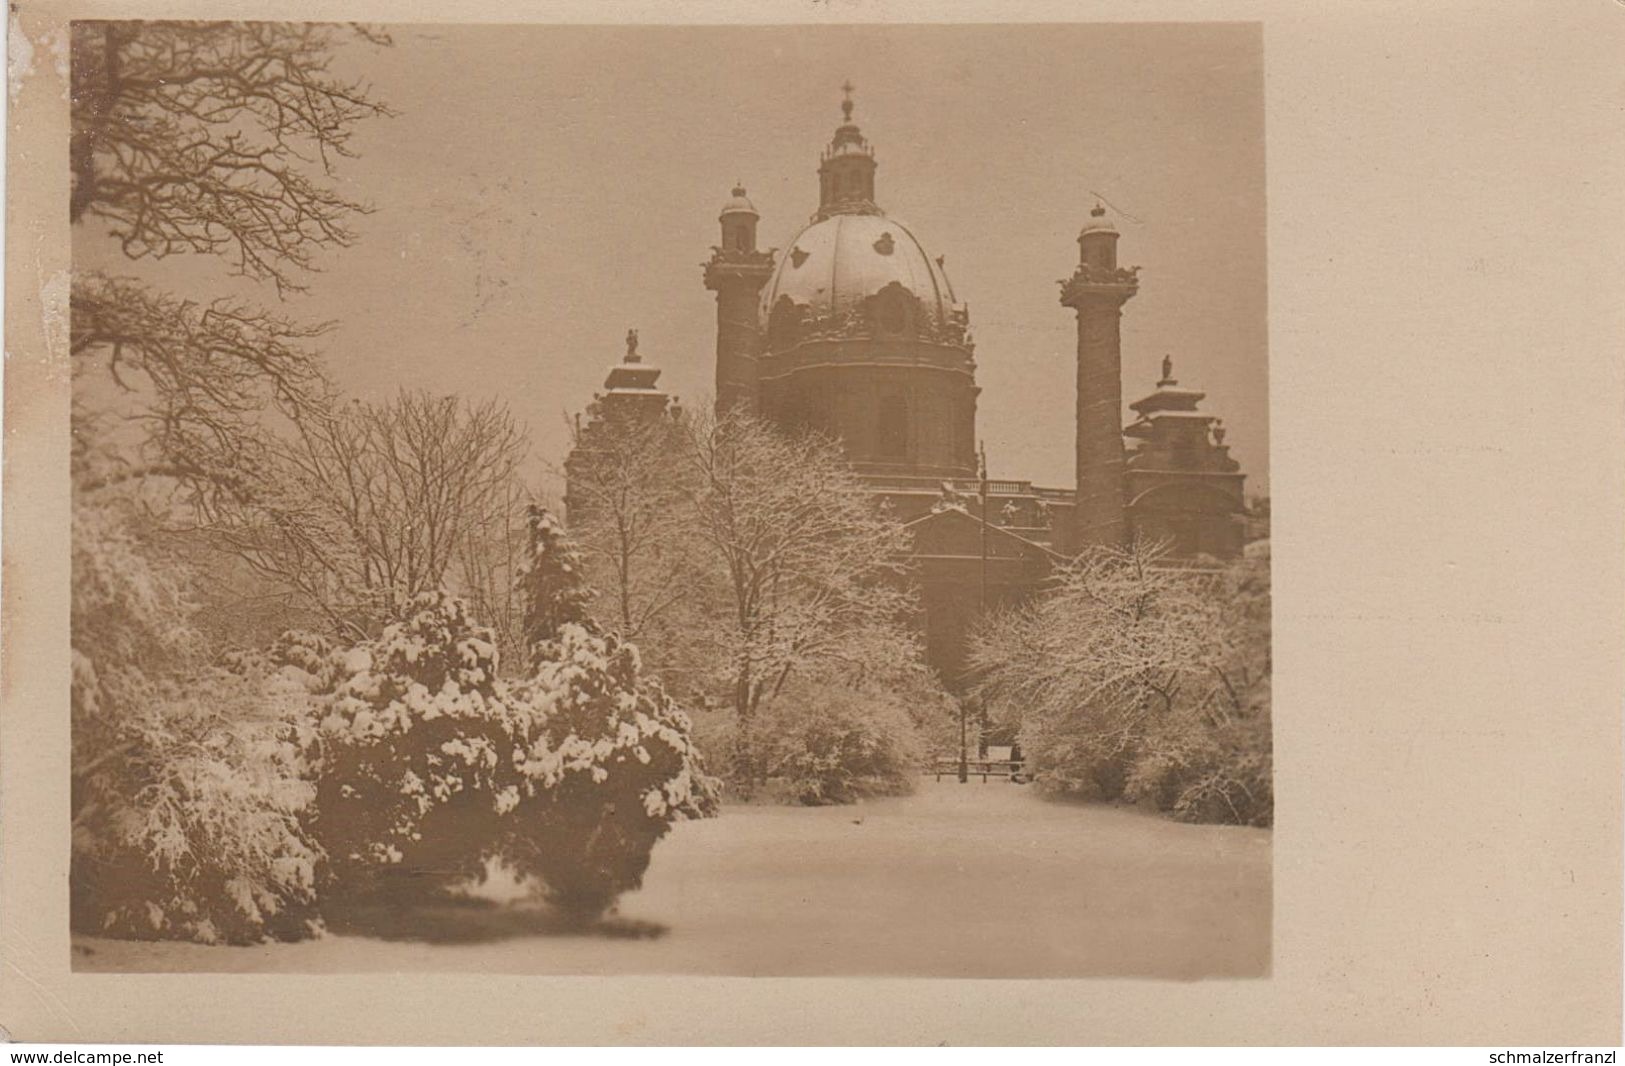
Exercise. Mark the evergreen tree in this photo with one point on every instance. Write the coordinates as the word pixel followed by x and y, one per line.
pixel 552 584
pixel 606 759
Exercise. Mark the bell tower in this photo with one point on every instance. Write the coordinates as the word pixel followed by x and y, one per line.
pixel 736 272
pixel 1097 290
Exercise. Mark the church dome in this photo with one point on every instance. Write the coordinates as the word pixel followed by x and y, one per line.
pixel 837 263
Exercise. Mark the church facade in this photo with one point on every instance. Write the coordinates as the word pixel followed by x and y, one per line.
pixel 855 331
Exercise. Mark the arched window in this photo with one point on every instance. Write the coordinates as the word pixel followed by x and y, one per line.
pixel 892 432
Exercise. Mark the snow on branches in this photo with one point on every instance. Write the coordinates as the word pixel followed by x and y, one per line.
pixel 413 742
pixel 188 783
pixel 810 559
pixel 1135 677
pixel 607 765
pixel 430 763
pixel 552 583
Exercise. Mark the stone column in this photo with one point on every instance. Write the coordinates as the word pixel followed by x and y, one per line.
pixel 1098 293
pixel 737 279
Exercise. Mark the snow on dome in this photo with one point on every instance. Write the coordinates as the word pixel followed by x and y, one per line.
pixel 835 264
pixel 739 204
pixel 1099 222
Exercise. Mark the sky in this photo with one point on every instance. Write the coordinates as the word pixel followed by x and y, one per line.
pixel 544 189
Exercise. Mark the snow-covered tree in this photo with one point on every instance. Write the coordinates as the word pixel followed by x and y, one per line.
pixel 188 783
pixel 1142 677
pixel 813 568
pixel 1212 759
pixel 552 583
pixel 654 582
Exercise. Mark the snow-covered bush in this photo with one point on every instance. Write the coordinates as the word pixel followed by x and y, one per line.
pixel 829 744
pixel 608 766
pixel 188 828
pixel 414 755
pixel 605 758
pixel 1212 760
pixel 188 784
pixel 1200 770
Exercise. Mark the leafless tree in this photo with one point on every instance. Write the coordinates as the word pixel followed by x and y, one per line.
pixel 204 137
pixel 488 561
pixel 213 138
pixel 200 377
pixel 364 508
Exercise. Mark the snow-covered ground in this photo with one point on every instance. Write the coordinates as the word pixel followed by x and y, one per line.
pixel 969 880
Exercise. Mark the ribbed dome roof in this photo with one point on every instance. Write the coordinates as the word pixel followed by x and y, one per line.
pixel 835 264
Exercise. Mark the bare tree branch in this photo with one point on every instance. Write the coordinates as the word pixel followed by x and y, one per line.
pixel 213 138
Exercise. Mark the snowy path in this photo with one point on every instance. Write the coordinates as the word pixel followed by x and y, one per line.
pixel 957 881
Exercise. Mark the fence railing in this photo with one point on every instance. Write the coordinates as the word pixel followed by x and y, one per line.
pixel 1013 770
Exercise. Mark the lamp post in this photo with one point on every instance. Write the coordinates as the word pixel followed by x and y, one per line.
pixel 964 755
pixel 981 463
pixel 964 707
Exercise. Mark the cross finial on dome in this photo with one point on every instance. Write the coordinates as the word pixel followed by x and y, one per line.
pixel 846 102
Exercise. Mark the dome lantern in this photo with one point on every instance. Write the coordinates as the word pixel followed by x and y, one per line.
pixel 846 173
pixel 738 220
pixel 1097 241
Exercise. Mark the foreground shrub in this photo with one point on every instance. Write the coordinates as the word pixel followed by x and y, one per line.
pixel 429 764
pixel 189 825
pixel 605 757
pixel 414 755
pixel 825 744
pixel 608 766
pixel 188 786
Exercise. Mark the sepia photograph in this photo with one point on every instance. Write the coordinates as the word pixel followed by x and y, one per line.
pixel 576 523
pixel 632 500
